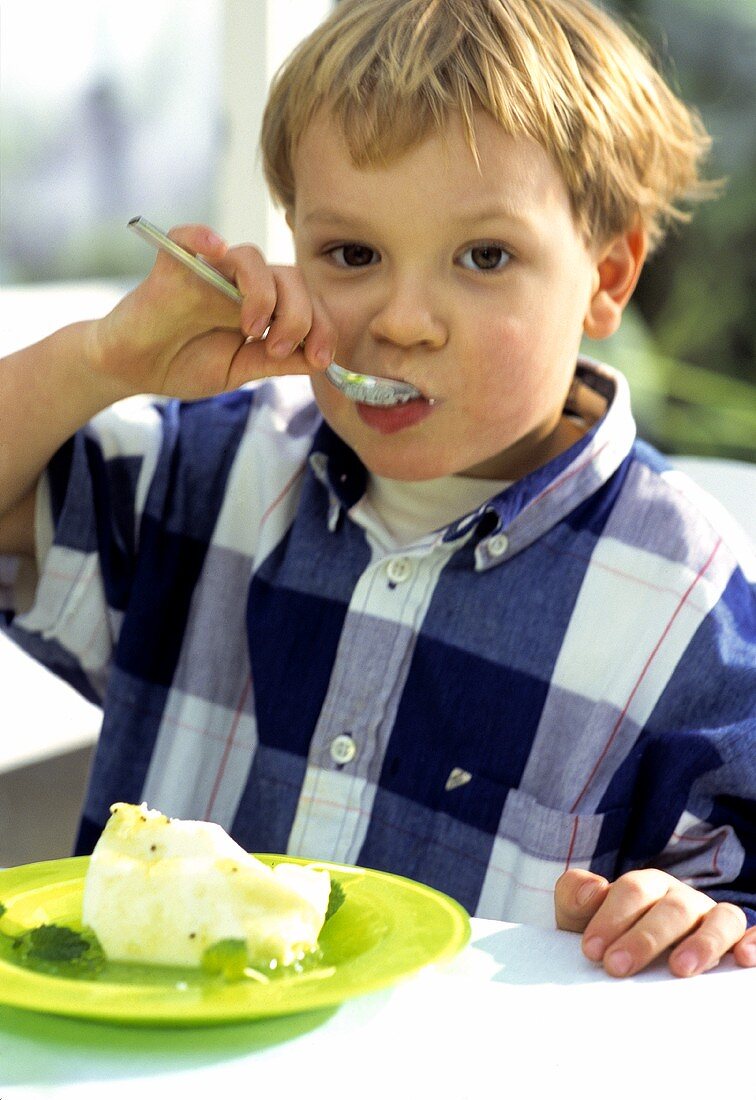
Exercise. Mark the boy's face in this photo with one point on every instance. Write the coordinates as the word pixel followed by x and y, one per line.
pixel 472 284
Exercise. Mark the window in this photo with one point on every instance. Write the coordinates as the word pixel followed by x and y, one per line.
pixel 112 108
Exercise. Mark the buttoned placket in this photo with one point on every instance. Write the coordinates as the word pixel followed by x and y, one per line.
pixel 372 662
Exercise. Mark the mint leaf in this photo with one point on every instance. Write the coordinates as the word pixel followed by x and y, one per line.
pixel 336 899
pixel 56 949
pixel 226 957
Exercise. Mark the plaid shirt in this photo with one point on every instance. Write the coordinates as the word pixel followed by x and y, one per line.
pixel 564 677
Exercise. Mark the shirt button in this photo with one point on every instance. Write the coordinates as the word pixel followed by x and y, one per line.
pixel 343 749
pixel 498 546
pixel 400 570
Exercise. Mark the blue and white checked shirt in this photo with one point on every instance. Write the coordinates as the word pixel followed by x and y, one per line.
pixel 565 677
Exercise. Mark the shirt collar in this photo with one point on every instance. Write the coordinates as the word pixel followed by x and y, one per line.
pixel 533 504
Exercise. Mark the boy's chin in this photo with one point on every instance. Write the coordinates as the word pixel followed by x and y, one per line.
pixel 399 467
pixel 417 468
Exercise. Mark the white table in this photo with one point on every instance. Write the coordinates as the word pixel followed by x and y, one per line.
pixel 519 1014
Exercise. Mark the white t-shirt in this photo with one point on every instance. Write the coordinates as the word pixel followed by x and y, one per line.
pixel 400 512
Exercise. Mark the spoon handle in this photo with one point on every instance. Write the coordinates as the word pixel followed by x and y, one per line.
pixel 156 237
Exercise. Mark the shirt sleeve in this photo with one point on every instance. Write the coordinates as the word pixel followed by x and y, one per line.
pixel 67 612
pixel 697 773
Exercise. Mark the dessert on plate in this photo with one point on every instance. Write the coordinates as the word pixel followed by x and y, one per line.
pixel 163 890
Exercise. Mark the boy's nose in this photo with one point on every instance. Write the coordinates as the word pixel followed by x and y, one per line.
pixel 408 318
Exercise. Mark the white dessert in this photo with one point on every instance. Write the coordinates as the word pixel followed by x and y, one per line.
pixel 161 890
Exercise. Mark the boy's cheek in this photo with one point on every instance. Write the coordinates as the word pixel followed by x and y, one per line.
pixel 504 343
pixel 518 393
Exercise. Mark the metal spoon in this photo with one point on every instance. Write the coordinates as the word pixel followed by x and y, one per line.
pixel 369 389
pixel 365 388
pixel 156 237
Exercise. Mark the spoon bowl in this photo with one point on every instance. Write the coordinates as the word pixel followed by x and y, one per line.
pixel 368 389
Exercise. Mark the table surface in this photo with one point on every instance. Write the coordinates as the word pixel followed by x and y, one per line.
pixel 519 1013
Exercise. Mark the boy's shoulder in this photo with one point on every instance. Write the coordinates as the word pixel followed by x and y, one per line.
pixel 667 512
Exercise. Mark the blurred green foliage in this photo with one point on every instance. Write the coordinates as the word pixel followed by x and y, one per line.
pixel 687 344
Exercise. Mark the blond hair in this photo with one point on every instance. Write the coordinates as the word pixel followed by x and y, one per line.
pixel 561 72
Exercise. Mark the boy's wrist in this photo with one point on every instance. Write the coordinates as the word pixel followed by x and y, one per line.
pixel 99 360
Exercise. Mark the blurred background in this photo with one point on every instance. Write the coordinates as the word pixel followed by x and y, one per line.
pixel 687 342
pixel 112 108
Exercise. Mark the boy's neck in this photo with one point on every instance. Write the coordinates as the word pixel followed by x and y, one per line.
pixel 531 452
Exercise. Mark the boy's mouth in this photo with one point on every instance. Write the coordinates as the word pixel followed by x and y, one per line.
pixel 387 419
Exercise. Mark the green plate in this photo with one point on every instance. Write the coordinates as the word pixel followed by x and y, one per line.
pixel 387 929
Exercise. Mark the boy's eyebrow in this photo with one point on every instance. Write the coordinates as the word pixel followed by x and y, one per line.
pixel 492 213
pixel 333 217
pixel 523 218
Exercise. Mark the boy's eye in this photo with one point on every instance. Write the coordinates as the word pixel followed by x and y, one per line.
pixel 484 257
pixel 354 255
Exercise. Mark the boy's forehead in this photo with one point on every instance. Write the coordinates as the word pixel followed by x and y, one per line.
pixel 511 174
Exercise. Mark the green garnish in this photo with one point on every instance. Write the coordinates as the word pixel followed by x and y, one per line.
pixel 226 957
pixel 336 898
pixel 55 949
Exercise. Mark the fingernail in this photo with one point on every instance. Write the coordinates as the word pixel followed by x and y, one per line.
pixel 594 948
pixel 748 954
pixel 586 892
pixel 323 357
pixel 258 327
pixel 686 963
pixel 619 963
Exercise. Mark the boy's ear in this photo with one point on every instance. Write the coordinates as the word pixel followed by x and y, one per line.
pixel 618 267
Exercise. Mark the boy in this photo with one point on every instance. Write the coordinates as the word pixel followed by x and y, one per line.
pixel 483 639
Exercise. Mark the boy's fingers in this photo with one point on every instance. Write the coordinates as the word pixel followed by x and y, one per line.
pixel 626 901
pixel 745 950
pixel 665 921
pixel 721 928
pixel 616 928
pixel 577 896
pixel 628 937
pixel 320 342
pixel 246 266
pixel 645 912
pixel 252 362
pixel 299 336
pixel 199 239
pixel 293 314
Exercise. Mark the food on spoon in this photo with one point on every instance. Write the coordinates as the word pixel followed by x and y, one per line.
pixel 162 890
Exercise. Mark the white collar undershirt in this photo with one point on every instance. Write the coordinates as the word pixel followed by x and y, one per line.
pixel 404 511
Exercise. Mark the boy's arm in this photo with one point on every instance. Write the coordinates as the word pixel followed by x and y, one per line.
pixel 47 391
pixel 172 335
pixel 629 923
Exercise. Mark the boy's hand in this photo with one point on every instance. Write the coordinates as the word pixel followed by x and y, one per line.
pixel 175 335
pixel 628 923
